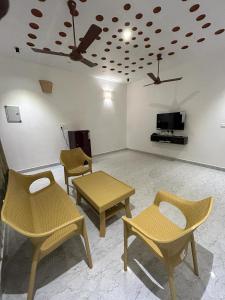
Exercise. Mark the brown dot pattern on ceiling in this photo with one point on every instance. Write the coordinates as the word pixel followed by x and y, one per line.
pixel 219 31
pixel 194 7
pixel 127 6
pixel 176 28
pixel 99 18
pixel 149 24
pixel 141 30
pixel 115 19
pixel 32 36
pixel 34 26
pixel 158 30
pixel 67 24
pixel 62 34
pixel 36 12
pixel 157 9
pixel 206 25
pixel 30 44
pixel 201 17
pixel 201 40
pixel 139 16
pixel 189 34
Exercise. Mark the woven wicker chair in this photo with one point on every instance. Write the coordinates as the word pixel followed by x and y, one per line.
pixel 165 239
pixel 74 164
pixel 47 217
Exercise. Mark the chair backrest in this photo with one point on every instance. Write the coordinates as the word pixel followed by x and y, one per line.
pixel 16 210
pixel 72 158
pixel 195 212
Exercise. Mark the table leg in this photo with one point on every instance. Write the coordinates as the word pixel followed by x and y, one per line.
pixel 127 208
pixel 78 198
pixel 102 224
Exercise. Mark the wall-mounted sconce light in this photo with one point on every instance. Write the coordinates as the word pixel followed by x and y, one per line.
pixel 108 98
pixel 107 95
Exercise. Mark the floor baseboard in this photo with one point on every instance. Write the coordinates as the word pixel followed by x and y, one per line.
pixel 182 160
pixel 57 164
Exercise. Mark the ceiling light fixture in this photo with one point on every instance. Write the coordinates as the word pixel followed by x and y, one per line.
pixel 127 33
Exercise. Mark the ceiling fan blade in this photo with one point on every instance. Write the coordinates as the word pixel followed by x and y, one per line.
pixel 92 33
pixel 88 63
pixel 152 76
pixel 170 80
pixel 50 52
pixel 149 84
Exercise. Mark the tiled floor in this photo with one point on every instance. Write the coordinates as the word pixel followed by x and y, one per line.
pixel 64 273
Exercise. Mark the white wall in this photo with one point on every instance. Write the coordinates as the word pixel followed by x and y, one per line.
pixel 201 94
pixel 77 102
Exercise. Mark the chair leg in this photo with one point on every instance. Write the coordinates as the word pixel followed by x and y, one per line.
pixel 102 224
pixel 78 198
pixel 127 208
pixel 85 236
pixel 125 254
pixel 35 260
pixel 194 256
pixel 171 283
pixel 67 184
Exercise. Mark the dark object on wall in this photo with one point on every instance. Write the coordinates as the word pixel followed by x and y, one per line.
pixel 3 174
pixel 13 114
pixel 80 138
pixel 4 7
pixel 78 51
pixel 171 121
pixel 170 139
pixel 46 86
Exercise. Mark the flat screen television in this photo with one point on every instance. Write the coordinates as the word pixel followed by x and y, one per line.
pixel 171 121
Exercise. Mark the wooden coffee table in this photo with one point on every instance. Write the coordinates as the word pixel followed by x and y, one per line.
pixel 106 194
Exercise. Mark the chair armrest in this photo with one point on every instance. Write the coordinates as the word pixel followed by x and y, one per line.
pixel 181 203
pixel 88 159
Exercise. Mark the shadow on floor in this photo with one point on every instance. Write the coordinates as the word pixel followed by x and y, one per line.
pixel 152 273
pixel 16 270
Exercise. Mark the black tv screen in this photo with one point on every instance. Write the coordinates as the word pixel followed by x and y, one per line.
pixel 171 121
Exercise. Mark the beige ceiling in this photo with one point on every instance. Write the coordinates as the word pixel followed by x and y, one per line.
pixel 195 23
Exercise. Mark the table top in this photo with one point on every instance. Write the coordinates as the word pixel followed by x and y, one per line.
pixel 102 190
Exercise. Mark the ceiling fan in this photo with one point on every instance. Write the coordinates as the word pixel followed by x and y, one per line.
pixel 157 79
pixel 76 55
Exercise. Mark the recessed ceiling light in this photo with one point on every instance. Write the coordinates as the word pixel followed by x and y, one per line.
pixel 127 33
